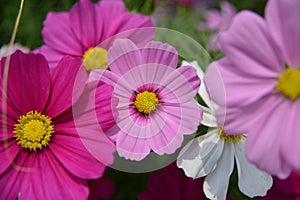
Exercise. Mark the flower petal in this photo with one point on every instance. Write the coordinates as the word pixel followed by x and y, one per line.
pixel 8 152
pixel 200 156
pixel 58 35
pixel 28 82
pixel 243 43
pixel 252 181
pixel 66 91
pixel 216 183
pixel 283 18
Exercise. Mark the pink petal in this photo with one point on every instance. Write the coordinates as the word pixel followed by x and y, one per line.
pixel 51 55
pixel 282 17
pixel 72 153
pixel 189 73
pixel 264 141
pixel 46 173
pixel 162 53
pixel 123 56
pixel 214 20
pixel 243 43
pixel 66 91
pixel 85 23
pixel 28 82
pixel 8 152
pixel 131 148
pixel 58 35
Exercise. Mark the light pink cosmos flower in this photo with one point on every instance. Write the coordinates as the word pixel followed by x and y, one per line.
pixel 47 147
pixel 218 21
pixel 156 106
pixel 86 26
pixel 261 78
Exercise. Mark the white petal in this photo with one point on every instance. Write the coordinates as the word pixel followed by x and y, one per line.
pixel 216 183
pixel 252 181
pixel 208 118
pixel 199 157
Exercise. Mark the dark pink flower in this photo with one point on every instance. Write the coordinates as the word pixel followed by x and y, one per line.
pixel 87 25
pixel 171 183
pixel 288 189
pixel 260 80
pixel 48 148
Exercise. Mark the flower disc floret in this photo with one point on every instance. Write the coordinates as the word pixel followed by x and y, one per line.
pixel 289 83
pixel 33 130
pixel 95 58
pixel 146 102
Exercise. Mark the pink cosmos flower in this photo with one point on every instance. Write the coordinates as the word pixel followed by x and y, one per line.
pixel 218 21
pixel 48 148
pixel 79 32
pixel 171 183
pixel 288 189
pixel 261 81
pixel 155 100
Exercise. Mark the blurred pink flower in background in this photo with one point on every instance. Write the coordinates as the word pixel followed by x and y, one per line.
pixel 260 76
pixel 41 145
pixel 80 31
pixel 218 21
pixel 101 189
pixel 171 183
pixel 288 189
pixel 155 99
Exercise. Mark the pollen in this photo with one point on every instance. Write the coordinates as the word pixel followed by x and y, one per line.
pixel 33 131
pixel 146 102
pixel 289 83
pixel 230 138
pixel 95 58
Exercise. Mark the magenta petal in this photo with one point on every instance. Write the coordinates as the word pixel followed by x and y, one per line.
pixel 58 35
pixel 74 156
pixel 123 56
pixel 243 43
pixel 66 91
pixel 131 147
pixel 162 53
pixel 85 24
pixel 8 153
pixel 51 55
pixel 283 19
pixel 48 173
pixel 28 82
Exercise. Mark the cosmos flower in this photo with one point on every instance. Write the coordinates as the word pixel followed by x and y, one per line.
pixel 218 21
pixel 261 78
pixel 83 32
pixel 212 155
pixel 45 139
pixel 171 183
pixel 155 100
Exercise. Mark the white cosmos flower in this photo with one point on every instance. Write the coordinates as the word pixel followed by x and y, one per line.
pixel 213 154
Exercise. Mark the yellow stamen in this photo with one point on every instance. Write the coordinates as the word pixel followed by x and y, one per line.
pixel 95 58
pixel 230 138
pixel 146 102
pixel 33 131
pixel 289 83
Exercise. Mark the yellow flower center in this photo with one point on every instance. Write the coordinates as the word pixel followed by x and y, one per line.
pixel 146 102
pixel 33 131
pixel 95 58
pixel 230 138
pixel 289 83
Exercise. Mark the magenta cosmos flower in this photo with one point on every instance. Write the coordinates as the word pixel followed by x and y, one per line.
pixel 261 78
pixel 171 183
pixel 79 32
pixel 155 100
pixel 43 154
